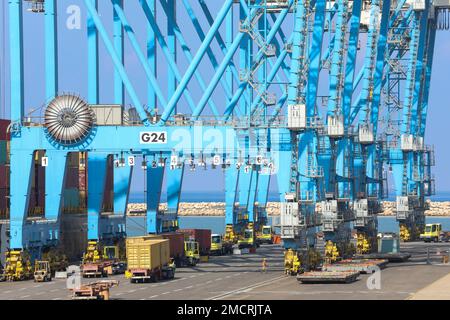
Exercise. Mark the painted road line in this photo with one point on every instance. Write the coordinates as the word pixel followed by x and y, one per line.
pixel 246 289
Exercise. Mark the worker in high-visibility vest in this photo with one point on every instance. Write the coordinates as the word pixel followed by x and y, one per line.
pixel 264 265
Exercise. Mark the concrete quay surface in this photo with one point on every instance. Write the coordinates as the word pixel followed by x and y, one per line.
pixel 239 277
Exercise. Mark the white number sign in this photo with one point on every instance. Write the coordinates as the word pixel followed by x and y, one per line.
pixel 44 161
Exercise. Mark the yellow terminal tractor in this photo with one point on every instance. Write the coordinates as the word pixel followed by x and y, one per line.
pixel 433 232
pixel 192 252
pixel 265 235
pixel 219 246
pixel 247 238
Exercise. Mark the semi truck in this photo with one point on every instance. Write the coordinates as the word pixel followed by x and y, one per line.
pixel 183 250
pixel 202 236
pixel 148 259
pixel 433 232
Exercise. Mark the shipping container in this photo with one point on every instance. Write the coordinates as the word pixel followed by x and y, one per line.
pixel 176 243
pixel 148 258
pixel 4 203
pixel 3 152
pixel 202 236
pixel 147 253
pixel 176 246
pixel 4 135
pixel 4 176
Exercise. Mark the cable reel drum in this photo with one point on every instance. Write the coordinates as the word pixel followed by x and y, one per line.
pixel 69 119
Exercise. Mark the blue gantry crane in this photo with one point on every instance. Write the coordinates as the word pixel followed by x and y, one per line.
pixel 328 96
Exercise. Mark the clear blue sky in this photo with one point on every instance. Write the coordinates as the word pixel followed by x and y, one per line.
pixel 73 75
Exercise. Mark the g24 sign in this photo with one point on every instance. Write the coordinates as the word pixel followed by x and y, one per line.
pixel 153 137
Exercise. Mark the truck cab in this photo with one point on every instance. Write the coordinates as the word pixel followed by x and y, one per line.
pixel 433 232
pixel 265 235
pixel 111 252
pixel 192 252
pixel 216 244
pixel 247 241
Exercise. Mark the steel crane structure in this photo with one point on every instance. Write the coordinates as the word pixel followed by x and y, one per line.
pixel 323 95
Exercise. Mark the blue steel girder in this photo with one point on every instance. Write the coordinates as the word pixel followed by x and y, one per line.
pixel 122 182
pixel 369 64
pixel 94 18
pixel 226 85
pixel 259 56
pixel 174 186
pixel 155 177
pixel 196 61
pixel 119 88
pixel 93 57
pixel 54 183
pixel 427 81
pixel 51 48
pixel 315 55
pixel 187 52
pixel 20 187
pixel 97 165
pixel 152 57
pixel 231 195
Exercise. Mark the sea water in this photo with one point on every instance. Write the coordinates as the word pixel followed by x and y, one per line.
pixel 136 226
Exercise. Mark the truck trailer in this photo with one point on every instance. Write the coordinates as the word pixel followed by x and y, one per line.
pixel 148 259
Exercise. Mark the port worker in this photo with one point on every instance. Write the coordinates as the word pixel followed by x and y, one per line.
pixel 172 264
pixel 264 265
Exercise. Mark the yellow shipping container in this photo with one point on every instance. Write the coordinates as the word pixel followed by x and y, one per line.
pixel 147 253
